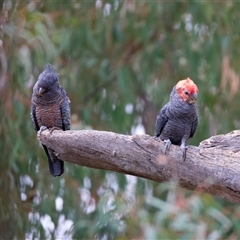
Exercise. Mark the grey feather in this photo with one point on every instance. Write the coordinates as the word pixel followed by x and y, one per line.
pixel 177 120
pixel 65 112
pixel 161 121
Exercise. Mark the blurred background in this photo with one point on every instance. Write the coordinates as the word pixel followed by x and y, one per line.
pixel 118 61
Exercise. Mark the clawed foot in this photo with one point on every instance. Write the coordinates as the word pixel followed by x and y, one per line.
pixel 184 151
pixel 42 128
pixel 156 138
pixel 54 128
pixel 167 145
pixel 56 154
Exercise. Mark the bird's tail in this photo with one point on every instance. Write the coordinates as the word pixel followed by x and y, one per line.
pixel 56 166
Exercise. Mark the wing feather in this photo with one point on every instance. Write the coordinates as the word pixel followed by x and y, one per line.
pixel 161 121
pixel 194 127
pixel 34 118
pixel 65 111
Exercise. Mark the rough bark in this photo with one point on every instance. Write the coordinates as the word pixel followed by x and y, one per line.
pixel 213 167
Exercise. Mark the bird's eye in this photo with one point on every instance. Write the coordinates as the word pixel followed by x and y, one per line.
pixel 186 92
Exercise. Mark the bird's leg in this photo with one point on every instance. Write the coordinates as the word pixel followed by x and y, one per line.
pixel 54 128
pixel 183 148
pixel 42 128
pixel 167 145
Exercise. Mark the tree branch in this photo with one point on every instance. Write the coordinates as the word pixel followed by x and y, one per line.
pixel 213 167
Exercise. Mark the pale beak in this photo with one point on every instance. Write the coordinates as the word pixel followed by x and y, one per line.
pixel 193 98
pixel 41 91
pixel 195 95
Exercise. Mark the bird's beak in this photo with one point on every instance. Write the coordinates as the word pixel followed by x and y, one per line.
pixel 41 91
pixel 193 98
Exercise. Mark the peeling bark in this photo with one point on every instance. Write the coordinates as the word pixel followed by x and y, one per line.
pixel 213 167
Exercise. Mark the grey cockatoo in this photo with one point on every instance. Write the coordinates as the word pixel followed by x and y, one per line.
pixel 50 108
pixel 177 120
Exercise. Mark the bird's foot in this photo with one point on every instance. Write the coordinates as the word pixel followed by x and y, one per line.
pixel 54 128
pixel 156 138
pixel 56 154
pixel 184 151
pixel 167 145
pixel 42 128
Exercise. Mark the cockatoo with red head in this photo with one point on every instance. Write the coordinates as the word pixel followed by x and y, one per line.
pixel 177 121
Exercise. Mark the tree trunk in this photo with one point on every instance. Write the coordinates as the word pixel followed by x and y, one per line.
pixel 213 167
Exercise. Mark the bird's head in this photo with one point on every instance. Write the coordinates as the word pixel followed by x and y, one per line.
pixel 47 80
pixel 187 90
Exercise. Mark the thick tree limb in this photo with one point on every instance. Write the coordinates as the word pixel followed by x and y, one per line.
pixel 213 167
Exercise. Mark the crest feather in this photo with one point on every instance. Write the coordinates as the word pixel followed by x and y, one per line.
pixel 187 84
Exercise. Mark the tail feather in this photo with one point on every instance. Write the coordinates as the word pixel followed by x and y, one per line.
pixel 56 166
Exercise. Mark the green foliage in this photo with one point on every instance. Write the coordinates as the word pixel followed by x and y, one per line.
pixel 118 62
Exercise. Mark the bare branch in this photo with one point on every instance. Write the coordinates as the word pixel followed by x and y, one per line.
pixel 213 167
